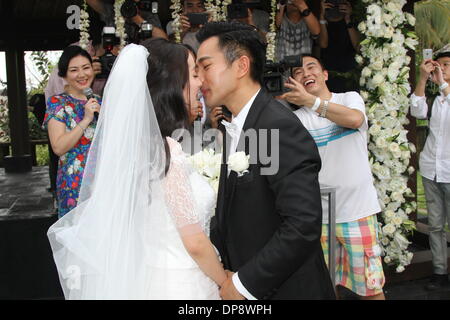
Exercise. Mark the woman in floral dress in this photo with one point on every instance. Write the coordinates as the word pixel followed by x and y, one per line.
pixel 71 124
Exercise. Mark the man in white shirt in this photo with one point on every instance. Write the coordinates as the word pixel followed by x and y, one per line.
pixel 338 124
pixel 434 163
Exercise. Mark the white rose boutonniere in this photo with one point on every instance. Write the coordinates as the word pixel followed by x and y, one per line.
pixel 239 162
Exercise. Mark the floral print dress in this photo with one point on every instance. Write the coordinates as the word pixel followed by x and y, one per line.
pixel 70 111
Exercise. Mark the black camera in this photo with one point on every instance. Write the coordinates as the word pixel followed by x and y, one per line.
pixel 197 18
pixel 334 13
pixel 145 31
pixel 273 73
pixel 284 2
pixel 238 8
pixel 109 40
pixel 130 8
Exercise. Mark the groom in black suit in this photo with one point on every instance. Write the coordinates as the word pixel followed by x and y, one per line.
pixel 268 218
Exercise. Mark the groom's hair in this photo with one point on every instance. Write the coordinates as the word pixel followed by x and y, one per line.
pixel 235 40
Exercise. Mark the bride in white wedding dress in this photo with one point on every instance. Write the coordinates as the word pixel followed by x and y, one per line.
pixel 140 230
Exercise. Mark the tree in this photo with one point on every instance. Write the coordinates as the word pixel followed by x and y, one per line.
pixel 432 23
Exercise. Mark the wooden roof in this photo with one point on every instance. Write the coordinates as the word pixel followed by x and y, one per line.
pixel 35 24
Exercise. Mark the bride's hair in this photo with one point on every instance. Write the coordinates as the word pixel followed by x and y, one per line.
pixel 168 74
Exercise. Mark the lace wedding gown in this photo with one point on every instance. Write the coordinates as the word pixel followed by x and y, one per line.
pixel 190 201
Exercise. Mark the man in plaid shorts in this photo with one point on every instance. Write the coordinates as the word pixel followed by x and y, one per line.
pixel 338 124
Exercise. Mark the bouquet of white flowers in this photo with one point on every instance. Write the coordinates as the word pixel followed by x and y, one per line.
pixel 207 163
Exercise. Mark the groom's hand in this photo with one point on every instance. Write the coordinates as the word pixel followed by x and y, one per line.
pixel 228 291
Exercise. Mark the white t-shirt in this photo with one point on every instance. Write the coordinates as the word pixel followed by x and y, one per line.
pixel 345 161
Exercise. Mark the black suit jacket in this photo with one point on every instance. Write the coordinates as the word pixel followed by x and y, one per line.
pixel 268 227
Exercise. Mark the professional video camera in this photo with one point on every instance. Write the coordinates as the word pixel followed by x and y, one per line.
pixel 238 8
pixel 130 8
pixel 109 40
pixel 273 73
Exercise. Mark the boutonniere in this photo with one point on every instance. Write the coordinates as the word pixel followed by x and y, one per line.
pixel 239 162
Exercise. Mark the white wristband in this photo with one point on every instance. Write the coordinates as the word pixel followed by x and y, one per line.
pixel 443 86
pixel 323 114
pixel 316 104
pixel 323 21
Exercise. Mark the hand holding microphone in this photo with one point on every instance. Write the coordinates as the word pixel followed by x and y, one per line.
pixel 92 107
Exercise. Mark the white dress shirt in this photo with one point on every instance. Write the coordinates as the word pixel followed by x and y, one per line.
pixel 237 124
pixel 434 159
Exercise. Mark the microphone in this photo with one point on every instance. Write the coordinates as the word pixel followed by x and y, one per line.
pixel 90 94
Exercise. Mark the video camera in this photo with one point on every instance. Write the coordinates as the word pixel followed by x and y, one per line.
pixel 130 8
pixel 284 2
pixel 273 73
pixel 238 8
pixel 109 40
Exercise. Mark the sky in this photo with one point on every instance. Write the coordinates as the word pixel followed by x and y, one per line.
pixel 32 75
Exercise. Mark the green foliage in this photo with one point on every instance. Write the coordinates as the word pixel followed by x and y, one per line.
pixel 4 120
pixel 42 156
pixel 36 132
pixel 44 66
pixel 432 24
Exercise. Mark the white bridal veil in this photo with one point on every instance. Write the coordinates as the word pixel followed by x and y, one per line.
pixel 98 247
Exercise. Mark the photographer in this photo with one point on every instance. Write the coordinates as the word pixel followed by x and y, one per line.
pixel 339 42
pixel 134 19
pixel 434 162
pixel 297 28
pixel 189 29
pixel 255 17
pixel 338 124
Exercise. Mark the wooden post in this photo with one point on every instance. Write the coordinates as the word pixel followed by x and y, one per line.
pixel 20 160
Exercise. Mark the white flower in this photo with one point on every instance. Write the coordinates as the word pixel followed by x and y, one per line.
pixel 387 259
pixel 377 79
pixel 207 164
pixel 359 59
pixel 377 65
pixel 239 162
pixel 389 229
pixel 397 196
pixel 381 142
pixel 374 130
pixel 411 19
pixel 389 214
pixel 394 147
pixel 406 155
pixel 366 72
pixel 396 220
pixel 400 269
pixel 385 241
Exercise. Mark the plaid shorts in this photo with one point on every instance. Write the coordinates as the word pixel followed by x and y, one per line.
pixel 358 262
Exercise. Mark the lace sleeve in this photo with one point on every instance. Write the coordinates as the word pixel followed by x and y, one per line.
pixel 178 193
